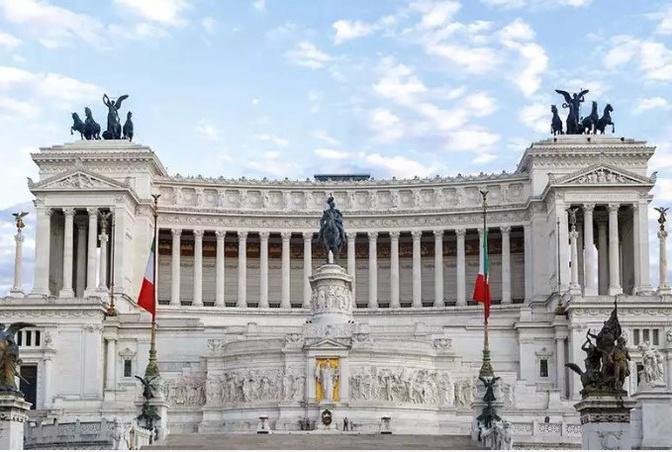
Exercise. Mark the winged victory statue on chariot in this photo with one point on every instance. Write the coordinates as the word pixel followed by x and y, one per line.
pixel 575 123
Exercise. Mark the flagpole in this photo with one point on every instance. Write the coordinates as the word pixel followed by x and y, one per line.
pixel 152 366
pixel 486 366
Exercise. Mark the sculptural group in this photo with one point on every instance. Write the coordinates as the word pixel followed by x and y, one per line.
pixel 89 129
pixel 606 363
pixel 575 123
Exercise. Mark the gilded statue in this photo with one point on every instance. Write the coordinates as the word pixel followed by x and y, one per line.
pixel 9 356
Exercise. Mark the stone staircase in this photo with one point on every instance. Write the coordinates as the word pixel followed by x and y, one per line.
pixel 306 441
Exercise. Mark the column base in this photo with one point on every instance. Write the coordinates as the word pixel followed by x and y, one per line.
pixel 16 293
pixel 615 291
pixel 575 289
pixel 66 293
pixel 664 290
pixel 13 415
pixel 590 291
pixel 645 290
pixel 38 294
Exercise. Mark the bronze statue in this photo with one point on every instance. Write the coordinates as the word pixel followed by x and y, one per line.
pixel 128 127
pixel 589 123
pixel 18 218
pixel 113 131
pixel 605 120
pixel 148 386
pixel 662 218
pixel 332 232
pixel 91 127
pixel 573 103
pixel 489 415
pixel 556 122
pixel 9 356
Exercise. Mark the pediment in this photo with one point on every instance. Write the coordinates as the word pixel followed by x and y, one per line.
pixel 77 179
pixel 328 344
pixel 601 174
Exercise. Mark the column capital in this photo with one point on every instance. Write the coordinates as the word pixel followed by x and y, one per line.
pixel 351 235
pixel 264 235
pixel 416 234
pixel 220 233
pixel 613 207
pixel 176 232
pixel 92 210
pixel 588 207
pixel 394 235
pixel 307 236
pixel 438 233
pixel 373 235
pixel 505 229
pixel 242 235
pixel 198 233
pixel 69 211
pixel 286 235
pixel 460 232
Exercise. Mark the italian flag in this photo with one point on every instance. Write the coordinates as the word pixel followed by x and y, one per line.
pixel 146 299
pixel 482 285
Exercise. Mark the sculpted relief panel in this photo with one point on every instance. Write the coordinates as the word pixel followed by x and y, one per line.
pixel 253 386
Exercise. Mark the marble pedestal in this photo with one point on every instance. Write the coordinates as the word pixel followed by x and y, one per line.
pixel 13 415
pixel 161 406
pixel 650 427
pixel 605 422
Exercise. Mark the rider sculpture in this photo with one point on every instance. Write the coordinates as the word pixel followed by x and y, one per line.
pixel 332 232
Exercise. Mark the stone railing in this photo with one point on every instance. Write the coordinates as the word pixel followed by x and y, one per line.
pixel 85 435
pixel 533 432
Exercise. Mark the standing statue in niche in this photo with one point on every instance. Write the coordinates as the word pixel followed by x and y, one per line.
pixel 9 356
pixel 113 131
pixel 326 376
pixel 332 232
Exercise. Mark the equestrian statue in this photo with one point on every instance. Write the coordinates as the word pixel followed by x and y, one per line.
pixel 575 123
pixel 332 232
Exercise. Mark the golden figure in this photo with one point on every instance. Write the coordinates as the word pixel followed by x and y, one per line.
pixel 327 379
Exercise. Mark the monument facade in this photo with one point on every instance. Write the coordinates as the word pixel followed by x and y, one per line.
pixel 246 327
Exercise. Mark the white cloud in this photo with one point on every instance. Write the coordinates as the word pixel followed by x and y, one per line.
pixel 387 125
pixel 206 130
pixel 664 26
pixel 651 103
pixel 624 48
pixel 514 4
pixel 306 54
pixel 332 154
pixel 24 109
pixel 435 13
pixel 471 139
pixel 268 138
pixel 398 166
pixel 259 5
pixel 474 60
pixel 479 104
pixel 209 25
pixel 654 58
pixel 518 36
pixel 325 137
pixel 483 158
pixel 165 12
pixel 53 26
pixel 9 42
pixel 537 117
pixel 399 83
pixel 518 30
pixel 347 30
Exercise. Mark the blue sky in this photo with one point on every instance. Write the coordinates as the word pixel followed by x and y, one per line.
pixel 292 88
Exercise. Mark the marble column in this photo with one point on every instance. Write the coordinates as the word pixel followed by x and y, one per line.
pixel 614 267
pixel 219 267
pixel 527 245
pixel 242 270
pixel 635 249
pixel 394 270
pixel 352 263
pixel 574 286
pixel 560 364
pixel 285 301
pixel 417 269
pixel 663 286
pixel 668 357
pixel 563 243
pixel 460 269
pixel 438 268
pixel 46 385
pixel 373 270
pixel 589 264
pixel 68 248
pixel 506 264
pixel 263 269
pixel 80 263
pixel 17 288
pixel 175 267
pixel 198 268
pixel 111 361
pixel 307 267
pixel 42 246
pixel 103 238
pixel 92 244
pixel 602 258
pixel 643 257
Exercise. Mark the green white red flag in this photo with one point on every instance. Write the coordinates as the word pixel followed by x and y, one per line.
pixel 482 284
pixel 147 298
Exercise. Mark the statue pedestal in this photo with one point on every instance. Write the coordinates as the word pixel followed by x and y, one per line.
pixel 331 301
pixel 651 418
pixel 13 415
pixel 161 407
pixel 605 422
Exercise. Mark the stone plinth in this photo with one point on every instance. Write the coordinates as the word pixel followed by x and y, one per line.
pixel 651 419
pixel 161 406
pixel 13 415
pixel 331 301
pixel 605 422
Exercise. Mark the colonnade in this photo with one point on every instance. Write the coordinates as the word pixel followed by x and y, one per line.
pixel 373 238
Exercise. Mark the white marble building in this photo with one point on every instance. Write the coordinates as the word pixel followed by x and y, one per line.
pixel 235 258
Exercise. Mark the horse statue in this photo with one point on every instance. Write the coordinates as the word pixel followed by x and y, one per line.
pixel 128 127
pixel 332 233
pixel 77 126
pixel 556 122
pixel 605 120
pixel 91 127
pixel 589 123
pixel 573 102
pixel 113 131
pixel 9 356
